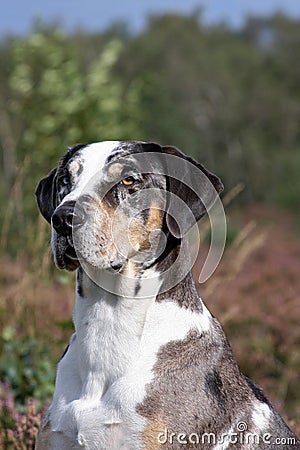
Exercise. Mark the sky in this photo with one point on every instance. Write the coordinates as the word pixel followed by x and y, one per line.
pixel 17 16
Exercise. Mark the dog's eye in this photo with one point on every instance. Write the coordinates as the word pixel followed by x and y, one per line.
pixel 128 181
pixel 65 181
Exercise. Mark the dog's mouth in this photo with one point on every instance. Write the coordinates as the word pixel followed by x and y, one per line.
pixel 66 257
pixel 70 248
pixel 70 252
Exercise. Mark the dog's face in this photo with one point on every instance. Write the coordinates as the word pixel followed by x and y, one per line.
pixel 107 203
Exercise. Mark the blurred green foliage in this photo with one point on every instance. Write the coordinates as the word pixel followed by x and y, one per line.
pixel 26 365
pixel 230 98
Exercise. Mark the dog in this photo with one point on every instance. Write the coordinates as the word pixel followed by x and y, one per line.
pixel 148 366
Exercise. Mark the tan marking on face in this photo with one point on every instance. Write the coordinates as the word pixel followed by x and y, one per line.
pixel 98 226
pixel 74 167
pixel 140 233
pixel 150 438
pixel 111 231
pixel 115 170
pixel 103 223
pixel 118 235
pixel 155 218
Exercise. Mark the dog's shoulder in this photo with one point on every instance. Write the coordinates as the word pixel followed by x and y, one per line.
pixel 197 381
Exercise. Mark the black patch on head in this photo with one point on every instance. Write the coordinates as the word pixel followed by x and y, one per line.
pixel 46 191
pixel 70 153
pixel 124 149
pixel 62 169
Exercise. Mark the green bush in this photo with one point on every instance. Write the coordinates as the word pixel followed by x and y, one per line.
pixel 26 365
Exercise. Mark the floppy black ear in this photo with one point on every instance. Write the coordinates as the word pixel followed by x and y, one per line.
pixel 45 195
pixel 189 183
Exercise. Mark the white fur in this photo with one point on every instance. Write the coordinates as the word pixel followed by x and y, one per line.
pixel 261 415
pixel 104 374
pixel 93 158
pixel 225 440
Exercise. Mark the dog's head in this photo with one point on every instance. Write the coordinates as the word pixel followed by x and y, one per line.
pixel 111 201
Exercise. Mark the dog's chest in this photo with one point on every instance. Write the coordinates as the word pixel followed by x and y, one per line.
pixel 99 412
pixel 108 341
pixel 113 355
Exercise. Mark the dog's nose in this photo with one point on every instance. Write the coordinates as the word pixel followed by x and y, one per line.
pixel 67 217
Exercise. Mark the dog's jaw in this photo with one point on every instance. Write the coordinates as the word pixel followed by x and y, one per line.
pixel 63 252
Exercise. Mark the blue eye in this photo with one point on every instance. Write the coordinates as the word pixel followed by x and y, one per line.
pixel 65 180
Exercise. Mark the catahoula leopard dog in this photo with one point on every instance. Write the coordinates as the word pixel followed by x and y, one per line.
pixel 148 366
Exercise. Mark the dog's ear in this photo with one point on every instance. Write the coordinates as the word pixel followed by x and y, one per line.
pixel 45 194
pixel 194 185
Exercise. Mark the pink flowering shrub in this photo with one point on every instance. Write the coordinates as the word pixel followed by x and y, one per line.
pixel 18 430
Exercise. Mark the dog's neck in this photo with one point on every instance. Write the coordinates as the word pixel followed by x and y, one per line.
pixel 137 287
pixel 133 282
pixel 122 296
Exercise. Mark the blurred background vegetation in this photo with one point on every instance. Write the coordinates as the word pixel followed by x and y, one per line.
pixel 230 99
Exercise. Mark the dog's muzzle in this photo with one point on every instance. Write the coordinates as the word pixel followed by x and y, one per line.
pixel 66 219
